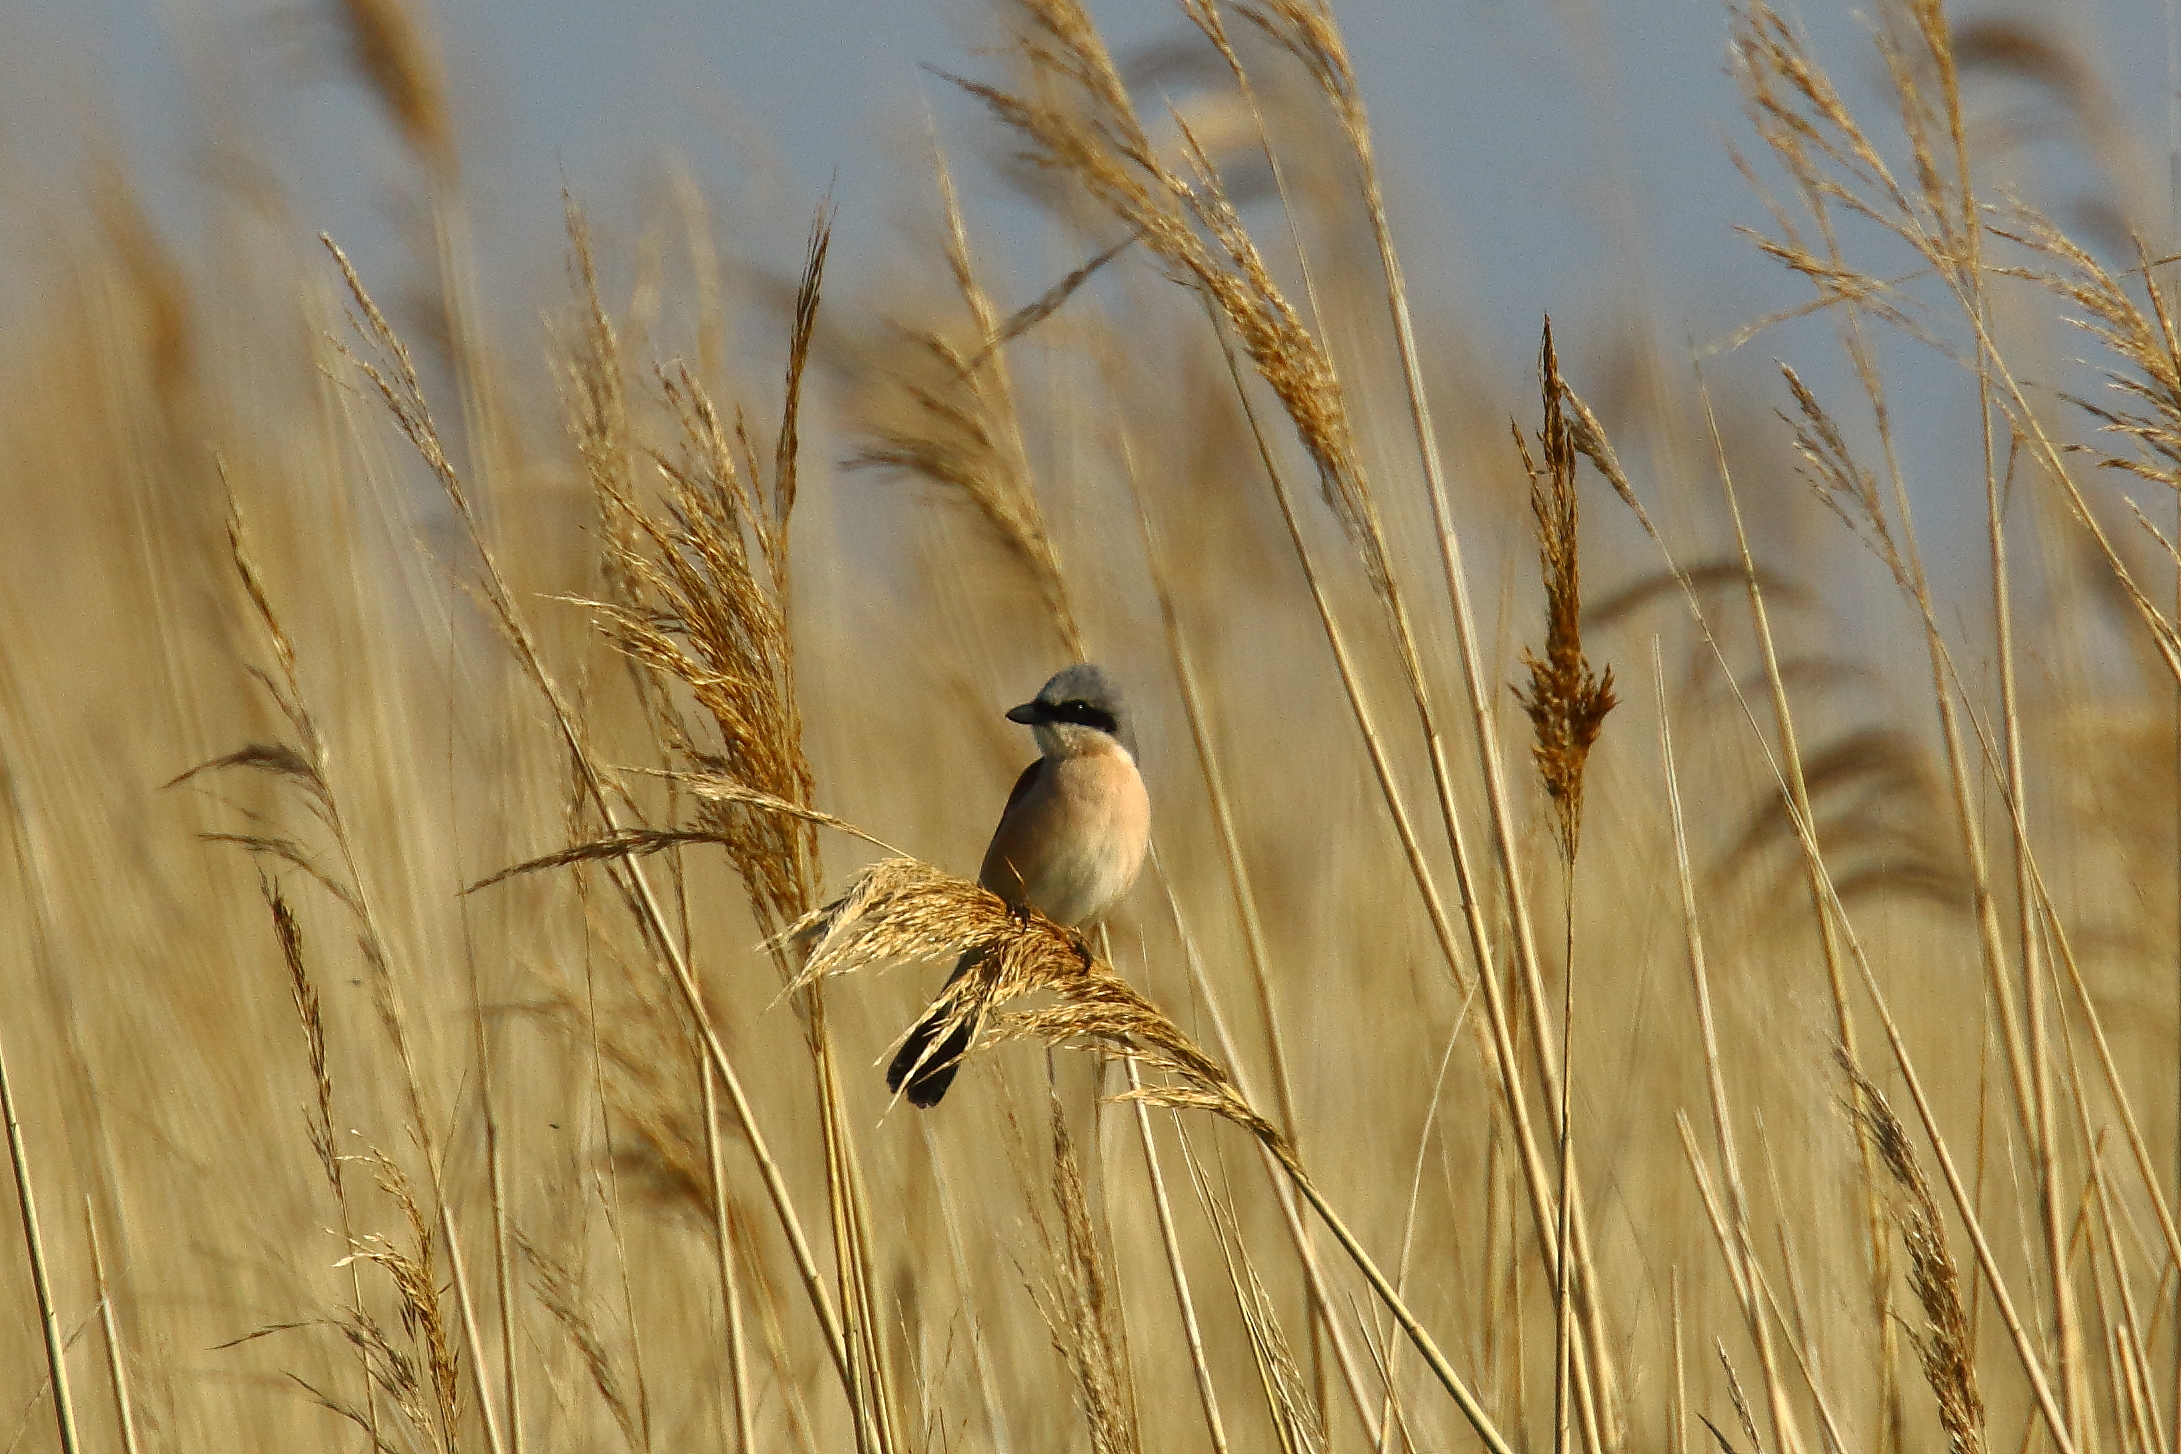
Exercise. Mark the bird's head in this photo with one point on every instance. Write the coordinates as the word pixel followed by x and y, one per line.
pixel 1078 711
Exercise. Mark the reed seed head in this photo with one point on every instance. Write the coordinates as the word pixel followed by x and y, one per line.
pixel 1566 700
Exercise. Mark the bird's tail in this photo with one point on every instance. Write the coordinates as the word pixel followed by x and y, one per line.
pixel 926 1063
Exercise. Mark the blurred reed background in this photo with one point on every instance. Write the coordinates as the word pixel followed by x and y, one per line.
pixel 418 745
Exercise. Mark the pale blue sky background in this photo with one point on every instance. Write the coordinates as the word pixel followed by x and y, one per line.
pixel 1519 135
pixel 1567 156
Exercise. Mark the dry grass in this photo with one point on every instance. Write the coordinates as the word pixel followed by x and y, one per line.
pixel 475 1045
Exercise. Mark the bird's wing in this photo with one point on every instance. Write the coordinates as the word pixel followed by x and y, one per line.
pixel 1022 785
pixel 998 873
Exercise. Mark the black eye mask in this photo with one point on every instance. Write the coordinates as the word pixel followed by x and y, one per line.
pixel 1083 714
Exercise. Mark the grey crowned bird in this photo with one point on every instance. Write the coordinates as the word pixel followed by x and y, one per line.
pixel 1069 843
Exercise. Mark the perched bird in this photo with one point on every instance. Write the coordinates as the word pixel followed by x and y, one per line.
pixel 1069 843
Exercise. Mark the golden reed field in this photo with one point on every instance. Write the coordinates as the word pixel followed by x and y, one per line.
pixel 1645 948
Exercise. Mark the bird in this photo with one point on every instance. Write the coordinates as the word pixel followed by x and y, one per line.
pixel 1070 841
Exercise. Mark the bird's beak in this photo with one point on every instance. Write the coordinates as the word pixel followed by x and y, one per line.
pixel 1028 714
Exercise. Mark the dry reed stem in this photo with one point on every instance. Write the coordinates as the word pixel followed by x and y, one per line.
pixel 117 1372
pixel 730 1293
pixel 2129 1331
pixel 1589 441
pixel 1298 1230
pixel 41 1278
pixel 1184 1300
pixel 1389 1409
pixel 1296 1421
pixel 1844 1028
pixel 1733 1228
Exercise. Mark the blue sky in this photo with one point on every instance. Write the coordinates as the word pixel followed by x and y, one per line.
pixel 1569 157
pixel 1507 128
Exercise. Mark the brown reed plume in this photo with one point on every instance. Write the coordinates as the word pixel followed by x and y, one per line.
pixel 2137 331
pixel 1566 700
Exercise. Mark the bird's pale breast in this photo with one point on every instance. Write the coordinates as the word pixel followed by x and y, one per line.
pixel 1076 839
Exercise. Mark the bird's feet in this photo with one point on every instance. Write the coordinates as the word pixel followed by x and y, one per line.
pixel 1083 950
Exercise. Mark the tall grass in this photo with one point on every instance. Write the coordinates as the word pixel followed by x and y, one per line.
pixel 473 1044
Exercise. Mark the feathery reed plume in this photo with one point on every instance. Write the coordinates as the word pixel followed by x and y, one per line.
pixel 1085 1309
pixel 305 993
pixel 900 909
pixel 2140 337
pixel 1080 120
pixel 423 1380
pixel 318 1118
pixel 961 429
pixel 561 1291
pixel 1566 701
pixel 1949 1361
pixel 1845 487
pixel 393 53
pixel 704 586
